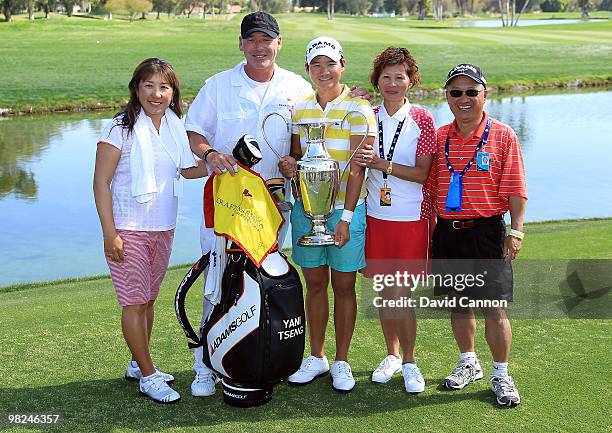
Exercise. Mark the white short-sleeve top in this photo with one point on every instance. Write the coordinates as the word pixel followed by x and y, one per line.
pixel 159 213
pixel 410 201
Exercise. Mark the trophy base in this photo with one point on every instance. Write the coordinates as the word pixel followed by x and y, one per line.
pixel 317 240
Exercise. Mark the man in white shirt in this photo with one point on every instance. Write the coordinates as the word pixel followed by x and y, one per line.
pixel 233 103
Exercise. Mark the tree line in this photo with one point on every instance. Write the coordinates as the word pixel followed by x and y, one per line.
pixel 510 10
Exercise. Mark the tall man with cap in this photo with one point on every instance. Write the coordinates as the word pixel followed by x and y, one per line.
pixel 479 177
pixel 233 103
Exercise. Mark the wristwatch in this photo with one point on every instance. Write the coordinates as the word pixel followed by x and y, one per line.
pixel 208 152
pixel 390 168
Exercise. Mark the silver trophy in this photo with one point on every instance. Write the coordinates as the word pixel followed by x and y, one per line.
pixel 319 180
pixel 318 177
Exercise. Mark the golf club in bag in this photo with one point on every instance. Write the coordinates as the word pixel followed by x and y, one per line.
pixel 254 337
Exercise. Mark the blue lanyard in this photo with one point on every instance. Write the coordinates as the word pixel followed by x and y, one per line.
pixel 483 142
pixel 381 150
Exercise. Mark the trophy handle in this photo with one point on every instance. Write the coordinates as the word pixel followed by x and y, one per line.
pixel 263 131
pixel 295 189
pixel 360 143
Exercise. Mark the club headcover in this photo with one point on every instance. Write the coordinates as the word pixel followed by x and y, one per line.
pixel 247 151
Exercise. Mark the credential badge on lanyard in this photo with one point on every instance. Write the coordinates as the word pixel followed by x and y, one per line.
pixel 455 188
pixel 385 191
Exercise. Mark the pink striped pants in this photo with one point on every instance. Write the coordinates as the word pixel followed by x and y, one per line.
pixel 137 279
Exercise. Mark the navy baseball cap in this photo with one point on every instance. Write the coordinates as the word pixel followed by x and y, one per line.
pixel 259 22
pixel 467 70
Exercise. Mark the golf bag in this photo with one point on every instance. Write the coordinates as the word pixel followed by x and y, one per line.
pixel 254 337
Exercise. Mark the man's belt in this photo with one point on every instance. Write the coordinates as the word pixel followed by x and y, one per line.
pixel 468 224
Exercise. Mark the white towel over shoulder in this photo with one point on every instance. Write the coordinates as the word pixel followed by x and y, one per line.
pixel 142 160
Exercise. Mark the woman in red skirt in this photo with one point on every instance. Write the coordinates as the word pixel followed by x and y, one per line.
pixel 399 204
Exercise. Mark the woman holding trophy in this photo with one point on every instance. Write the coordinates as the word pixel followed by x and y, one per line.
pixel 399 201
pixel 330 105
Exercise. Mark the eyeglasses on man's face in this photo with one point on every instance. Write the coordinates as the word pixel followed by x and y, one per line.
pixel 472 93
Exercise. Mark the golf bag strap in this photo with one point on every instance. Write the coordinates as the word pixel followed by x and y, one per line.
pixel 179 299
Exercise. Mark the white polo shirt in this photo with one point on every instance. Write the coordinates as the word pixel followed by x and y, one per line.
pixel 417 138
pixel 228 107
pixel 159 213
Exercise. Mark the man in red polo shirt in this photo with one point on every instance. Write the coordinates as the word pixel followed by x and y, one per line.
pixel 479 177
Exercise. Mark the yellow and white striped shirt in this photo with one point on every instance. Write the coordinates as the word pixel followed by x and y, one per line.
pixel 337 136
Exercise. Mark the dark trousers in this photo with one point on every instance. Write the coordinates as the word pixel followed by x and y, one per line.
pixel 473 247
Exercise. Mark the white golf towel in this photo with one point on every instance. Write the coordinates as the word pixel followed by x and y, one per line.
pixel 142 160
pixel 216 267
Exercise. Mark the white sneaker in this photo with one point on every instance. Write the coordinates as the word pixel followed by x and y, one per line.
pixel 157 389
pixel 204 383
pixel 386 369
pixel 311 368
pixel 342 377
pixel 133 373
pixel 413 379
pixel 463 374
pixel 505 391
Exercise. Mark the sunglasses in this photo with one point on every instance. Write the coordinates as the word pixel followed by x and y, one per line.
pixel 472 93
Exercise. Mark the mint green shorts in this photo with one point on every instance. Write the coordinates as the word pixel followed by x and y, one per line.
pixel 349 258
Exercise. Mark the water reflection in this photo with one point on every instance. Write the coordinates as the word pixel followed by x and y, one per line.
pixel 49 218
pixel 512 111
pixel 524 22
pixel 23 140
pixel 55 226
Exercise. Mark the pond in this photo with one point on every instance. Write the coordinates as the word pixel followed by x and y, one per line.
pixel 50 228
pixel 523 22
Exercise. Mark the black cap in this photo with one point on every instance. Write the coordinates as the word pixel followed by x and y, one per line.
pixel 465 69
pixel 259 22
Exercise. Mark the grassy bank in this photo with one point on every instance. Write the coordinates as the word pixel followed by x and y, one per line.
pixel 62 352
pixel 549 240
pixel 80 63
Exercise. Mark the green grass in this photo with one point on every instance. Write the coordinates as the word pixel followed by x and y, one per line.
pixel 568 239
pixel 64 63
pixel 62 351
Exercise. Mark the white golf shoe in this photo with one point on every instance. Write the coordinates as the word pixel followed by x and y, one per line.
pixel 386 369
pixel 204 383
pixel 156 388
pixel 413 379
pixel 133 373
pixel 311 368
pixel 342 377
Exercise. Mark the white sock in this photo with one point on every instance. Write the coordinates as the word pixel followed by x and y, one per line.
pixel 500 369
pixel 468 358
pixel 134 364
